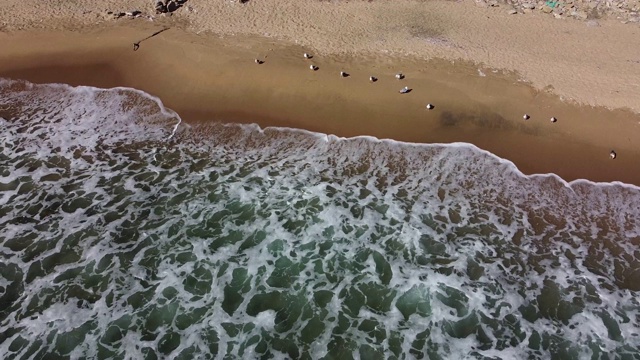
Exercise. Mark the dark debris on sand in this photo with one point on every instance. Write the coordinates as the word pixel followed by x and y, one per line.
pixel 168 6
pixel 627 11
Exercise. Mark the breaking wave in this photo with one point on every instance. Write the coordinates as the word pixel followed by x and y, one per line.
pixel 129 234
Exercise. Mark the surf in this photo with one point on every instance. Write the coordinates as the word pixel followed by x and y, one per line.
pixel 129 233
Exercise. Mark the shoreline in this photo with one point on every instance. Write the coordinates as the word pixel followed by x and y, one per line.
pixel 515 168
pixel 208 78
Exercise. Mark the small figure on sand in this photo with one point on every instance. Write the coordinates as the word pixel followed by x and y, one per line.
pixel 612 154
pixel 553 119
pixel 343 74
pixel 373 78
pixel 258 61
pixel 313 67
pixel 136 45
pixel 307 56
pixel 399 76
pixel 405 90
pixel 526 116
pixel 430 106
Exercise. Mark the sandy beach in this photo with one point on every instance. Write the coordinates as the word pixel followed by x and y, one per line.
pixel 203 68
pixel 174 208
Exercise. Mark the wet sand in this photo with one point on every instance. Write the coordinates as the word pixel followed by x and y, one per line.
pixel 595 63
pixel 212 78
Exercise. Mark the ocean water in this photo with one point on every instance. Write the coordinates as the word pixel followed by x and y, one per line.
pixel 127 234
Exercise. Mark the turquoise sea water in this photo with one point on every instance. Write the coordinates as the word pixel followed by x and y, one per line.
pixel 127 234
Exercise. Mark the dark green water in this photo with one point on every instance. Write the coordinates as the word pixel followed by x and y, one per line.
pixel 124 238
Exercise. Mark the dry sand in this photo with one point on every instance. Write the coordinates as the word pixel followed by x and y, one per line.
pixel 203 68
pixel 591 65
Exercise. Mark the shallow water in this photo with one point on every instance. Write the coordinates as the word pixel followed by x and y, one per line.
pixel 127 234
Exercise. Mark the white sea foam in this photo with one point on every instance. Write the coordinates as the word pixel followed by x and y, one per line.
pixel 127 234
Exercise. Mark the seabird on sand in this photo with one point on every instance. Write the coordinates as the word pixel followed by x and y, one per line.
pixel 553 119
pixel 526 116
pixel 373 78
pixel 405 90
pixel 430 106
pixel 399 76
pixel 612 154
pixel 307 56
